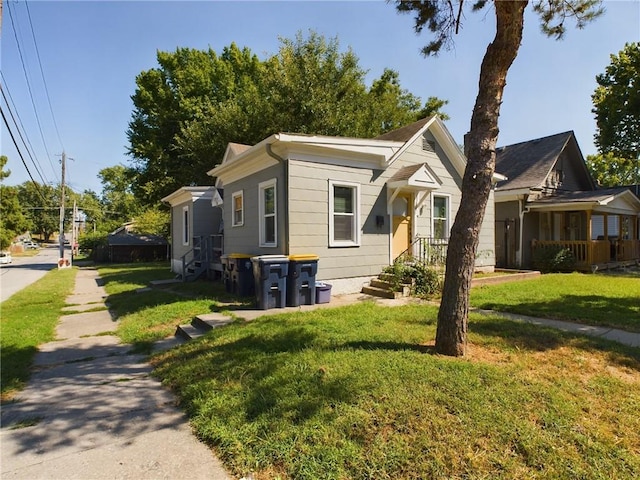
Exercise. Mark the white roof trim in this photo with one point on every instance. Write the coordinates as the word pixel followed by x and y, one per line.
pixel 421 179
pixel 184 194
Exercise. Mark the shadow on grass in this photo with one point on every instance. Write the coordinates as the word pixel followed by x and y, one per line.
pixel 623 313
pixel 537 338
pixel 16 363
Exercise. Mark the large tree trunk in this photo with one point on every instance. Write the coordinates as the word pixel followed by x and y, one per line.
pixel 480 144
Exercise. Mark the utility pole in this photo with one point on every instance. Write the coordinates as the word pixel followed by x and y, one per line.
pixel 61 234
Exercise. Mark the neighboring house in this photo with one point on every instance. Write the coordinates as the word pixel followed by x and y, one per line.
pixel 196 230
pixel 126 247
pixel 550 199
pixel 356 203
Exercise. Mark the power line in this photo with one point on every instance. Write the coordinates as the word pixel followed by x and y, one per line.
pixel 55 124
pixel 20 154
pixel 26 76
pixel 21 137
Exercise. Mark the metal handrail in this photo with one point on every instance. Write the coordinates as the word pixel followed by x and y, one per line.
pixel 428 250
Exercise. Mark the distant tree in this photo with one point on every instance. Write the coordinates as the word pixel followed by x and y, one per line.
pixel 41 205
pixel 616 104
pixel 92 209
pixel 118 201
pixel 13 222
pixel 3 162
pixel 608 170
pixel 443 19
pixel 153 221
pixel 189 108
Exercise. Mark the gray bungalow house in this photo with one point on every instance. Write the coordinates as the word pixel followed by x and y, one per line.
pixel 356 203
pixel 196 231
pixel 550 199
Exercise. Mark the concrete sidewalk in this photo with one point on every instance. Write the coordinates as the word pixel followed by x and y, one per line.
pixel 91 410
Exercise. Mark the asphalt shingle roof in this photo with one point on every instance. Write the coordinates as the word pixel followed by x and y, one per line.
pixel 527 164
pixel 403 134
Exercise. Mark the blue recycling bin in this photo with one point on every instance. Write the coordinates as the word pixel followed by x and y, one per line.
pixel 226 272
pixel 301 280
pixel 270 276
pixel 241 274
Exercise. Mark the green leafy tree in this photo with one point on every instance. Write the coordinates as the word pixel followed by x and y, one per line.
pixel 616 102
pixel 443 19
pixel 153 221
pixel 119 204
pixel 13 222
pixel 41 205
pixel 195 102
pixel 609 170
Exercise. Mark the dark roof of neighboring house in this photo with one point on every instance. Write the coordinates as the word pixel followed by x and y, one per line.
pixel 403 134
pixel 587 196
pixel 527 164
pixel 131 239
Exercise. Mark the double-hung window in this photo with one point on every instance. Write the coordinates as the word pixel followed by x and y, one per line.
pixel 237 204
pixel 440 216
pixel 185 225
pixel 268 213
pixel 344 214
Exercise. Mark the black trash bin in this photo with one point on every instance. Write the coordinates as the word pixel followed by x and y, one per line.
pixel 301 280
pixel 241 274
pixel 270 276
pixel 226 272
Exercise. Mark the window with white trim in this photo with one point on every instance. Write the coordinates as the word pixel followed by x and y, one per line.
pixel 268 213
pixel 440 211
pixel 237 206
pixel 185 225
pixel 344 214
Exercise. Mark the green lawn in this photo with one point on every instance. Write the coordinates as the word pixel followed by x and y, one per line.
pixel 29 318
pixel 605 300
pixel 357 393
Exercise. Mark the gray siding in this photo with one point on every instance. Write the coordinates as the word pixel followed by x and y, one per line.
pixel 309 212
pixel 245 239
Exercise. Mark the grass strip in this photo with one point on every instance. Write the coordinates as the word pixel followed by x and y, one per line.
pixel 599 300
pixel 29 318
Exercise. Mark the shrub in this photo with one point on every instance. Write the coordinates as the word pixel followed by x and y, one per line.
pixel 424 280
pixel 553 258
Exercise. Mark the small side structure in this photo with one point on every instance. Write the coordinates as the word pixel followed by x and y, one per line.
pixel 550 200
pixel 358 204
pixel 126 247
pixel 196 231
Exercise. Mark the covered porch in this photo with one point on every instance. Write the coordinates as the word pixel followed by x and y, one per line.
pixel 601 232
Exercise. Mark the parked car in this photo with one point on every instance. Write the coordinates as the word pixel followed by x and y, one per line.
pixel 31 245
pixel 5 258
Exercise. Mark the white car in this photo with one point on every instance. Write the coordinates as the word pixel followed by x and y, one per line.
pixel 32 245
pixel 5 258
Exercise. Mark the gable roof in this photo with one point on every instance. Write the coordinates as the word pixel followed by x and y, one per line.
pixel 527 164
pixel 184 194
pixel 405 133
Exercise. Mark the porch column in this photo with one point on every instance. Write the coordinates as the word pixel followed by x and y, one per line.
pixel 589 239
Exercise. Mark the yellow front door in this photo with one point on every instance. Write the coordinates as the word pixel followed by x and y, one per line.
pixel 402 214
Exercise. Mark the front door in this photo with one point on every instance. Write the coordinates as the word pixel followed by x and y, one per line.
pixel 402 215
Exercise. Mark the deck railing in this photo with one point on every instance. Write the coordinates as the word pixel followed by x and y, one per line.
pixel 428 250
pixel 592 252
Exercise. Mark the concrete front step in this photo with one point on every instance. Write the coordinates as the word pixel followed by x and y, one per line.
pixel 381 292
pixel 201 325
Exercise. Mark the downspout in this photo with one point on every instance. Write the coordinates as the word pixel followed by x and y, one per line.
pixel 522 209
pixel 285 167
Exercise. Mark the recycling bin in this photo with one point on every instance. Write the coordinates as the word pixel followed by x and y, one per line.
pixel 241 274
pixel 301 280
pixel 226 272
pixel 270 276
pixel 323 292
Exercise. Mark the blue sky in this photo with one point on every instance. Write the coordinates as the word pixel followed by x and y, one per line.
pixel 91 52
